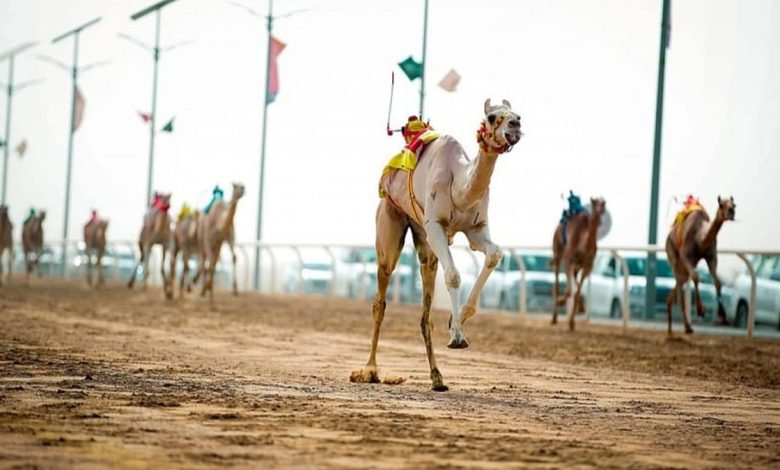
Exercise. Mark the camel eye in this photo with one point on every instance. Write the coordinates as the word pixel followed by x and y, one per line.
pixel 492 118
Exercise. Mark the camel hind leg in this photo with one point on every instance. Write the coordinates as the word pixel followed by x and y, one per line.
pixel 88 254
pixel 556 267
pixel 391 228
pixel 428 266
pixel 134 274
pixel 231 244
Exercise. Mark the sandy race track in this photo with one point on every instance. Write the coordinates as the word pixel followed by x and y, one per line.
pixel 121 379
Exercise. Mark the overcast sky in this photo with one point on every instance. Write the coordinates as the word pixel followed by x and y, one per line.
pixel 582 74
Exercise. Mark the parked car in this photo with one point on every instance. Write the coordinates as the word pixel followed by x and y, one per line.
pixel 359 267
pixel 317 277
pixel 767 294
pixel 539 279
pixel 605 289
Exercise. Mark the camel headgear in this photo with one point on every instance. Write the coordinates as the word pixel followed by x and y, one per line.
pixel 413 128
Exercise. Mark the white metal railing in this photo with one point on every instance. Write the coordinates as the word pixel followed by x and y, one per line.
pixel 244 253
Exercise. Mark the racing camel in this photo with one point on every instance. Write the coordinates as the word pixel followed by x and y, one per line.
pixel 6 241
pixel 95 244
pixel 216 228
pixel 694 237
pixel 156 230
pixel 32 242
pixel 436 196
pixel 185 241
pixel 574 247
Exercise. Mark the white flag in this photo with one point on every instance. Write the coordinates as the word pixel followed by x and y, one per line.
pixel 450 81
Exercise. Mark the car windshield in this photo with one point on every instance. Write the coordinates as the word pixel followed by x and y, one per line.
pixel 532 263
pixel 637 266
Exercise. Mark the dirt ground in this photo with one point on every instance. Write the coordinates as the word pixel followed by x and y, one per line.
pixel 122 379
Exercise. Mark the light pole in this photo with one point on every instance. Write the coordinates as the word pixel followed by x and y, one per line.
pixel 269 25
pixel 156 9
pixel 650 299
pixel 424 52
pixel 10 88
pixel 75 76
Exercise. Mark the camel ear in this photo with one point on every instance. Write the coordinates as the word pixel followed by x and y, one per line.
pixel 487 105
pixel 506 103
pixel 732 199
pixel 718 198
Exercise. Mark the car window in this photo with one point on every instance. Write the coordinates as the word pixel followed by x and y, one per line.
pixel 539 263
pixel 638 267
pixel 767 266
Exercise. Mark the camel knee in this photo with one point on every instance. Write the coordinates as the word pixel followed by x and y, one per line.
pixel 493 256
pixel 452 278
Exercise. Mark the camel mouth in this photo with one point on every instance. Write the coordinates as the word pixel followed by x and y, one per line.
pixel 512 138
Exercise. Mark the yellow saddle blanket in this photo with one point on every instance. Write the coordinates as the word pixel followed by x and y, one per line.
pixel 679 219
pixel 406 159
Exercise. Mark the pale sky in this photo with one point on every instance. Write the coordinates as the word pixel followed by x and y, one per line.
pixel 582 74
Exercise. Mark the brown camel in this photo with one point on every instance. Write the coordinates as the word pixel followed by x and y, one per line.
pixel 216 227
pixel 185 241
pixel 32 243
pixel 156 230
pixel 576 254
pixel 691 239
pixel 444 194
pixel 95 244
pixel 6 241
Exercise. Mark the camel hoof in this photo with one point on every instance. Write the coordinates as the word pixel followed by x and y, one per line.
pixel 367 375
pixel 440 388
pixel 554 321
pixel 459 343
pixel 189 288
pixel 688 330
pixel 571 326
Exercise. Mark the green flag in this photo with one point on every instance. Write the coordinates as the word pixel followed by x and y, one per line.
pixel 168 127
pixel 411 68
pixel 2 143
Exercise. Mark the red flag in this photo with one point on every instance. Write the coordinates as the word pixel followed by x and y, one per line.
pixel 145 116
pixel 277 47
pixel 450 81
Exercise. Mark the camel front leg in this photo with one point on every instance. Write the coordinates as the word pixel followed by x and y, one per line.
pixel 437 240
pixel 147 251
pixel 89 266
pixel 577 302
pixel 479 240
pixel 712 265
pixel 131 281
pixel 233 258
pixel 671 299
pixel 555 288
pixel 100 279
pixel 167 284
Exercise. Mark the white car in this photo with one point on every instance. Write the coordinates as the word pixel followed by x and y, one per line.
pixel 604 290
pixel 767 294
pixel 539 279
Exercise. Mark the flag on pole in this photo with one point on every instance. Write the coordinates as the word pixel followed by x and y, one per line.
pixel 450 81
pixel 277 47
pixel 78 110
pixel 2 143
pixel 21 148
pixel 169 126
pixel 146 117
pixel 411 68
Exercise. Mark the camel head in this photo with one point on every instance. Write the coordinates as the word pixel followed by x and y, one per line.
pixel 597 206
pixel 238 191
pixel 42 215
pixel 166 199
pixel 500 129
pixel 726 208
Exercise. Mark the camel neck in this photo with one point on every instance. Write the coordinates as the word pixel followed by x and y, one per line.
pixel 712 233
pixel 593 229
pixel 231 212
pixel 477 178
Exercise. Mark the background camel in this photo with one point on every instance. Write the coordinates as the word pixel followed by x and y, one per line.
pixel 215 228
pixel 576 253
pixel 446 193
pixel 156 230
pixel 690 240
pixel 32 243
pixel 6 241
pixel 95 244
pixel 185 241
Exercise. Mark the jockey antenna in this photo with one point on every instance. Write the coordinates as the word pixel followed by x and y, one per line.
pixel 390 108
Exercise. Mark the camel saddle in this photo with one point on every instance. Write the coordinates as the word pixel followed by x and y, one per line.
pixel 683 214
